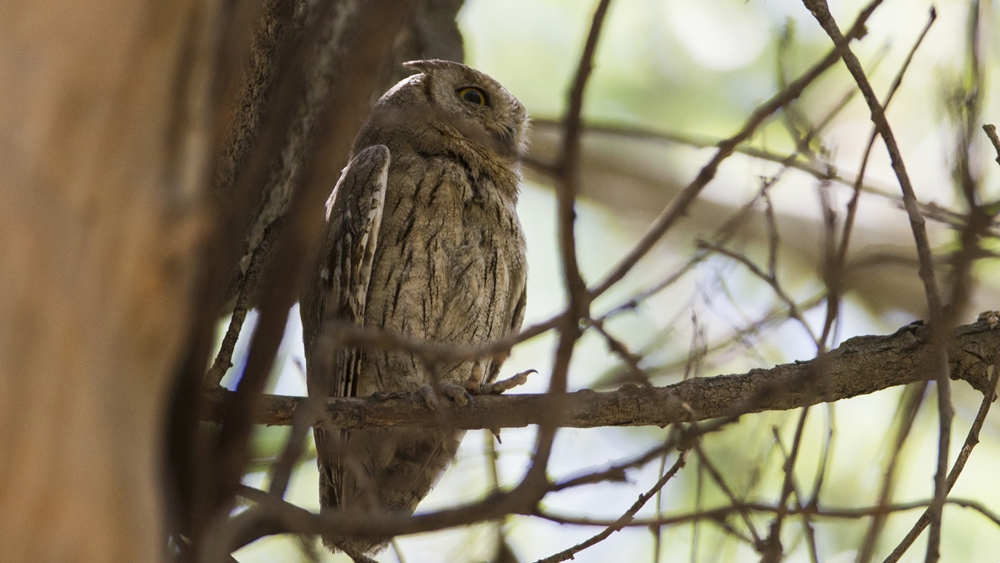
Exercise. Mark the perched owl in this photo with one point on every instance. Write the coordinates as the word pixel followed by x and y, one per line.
pixel 422 239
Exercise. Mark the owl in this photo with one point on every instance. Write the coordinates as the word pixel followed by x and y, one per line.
pixel 422 239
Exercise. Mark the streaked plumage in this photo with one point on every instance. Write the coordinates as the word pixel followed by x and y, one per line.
pixel 422 239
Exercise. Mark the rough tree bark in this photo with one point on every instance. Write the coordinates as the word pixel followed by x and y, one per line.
pixel 104 126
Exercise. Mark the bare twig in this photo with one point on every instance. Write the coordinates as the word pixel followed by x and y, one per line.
pixel 937 363
pixel 833 276
pixel 281 471
pixel 273 516
pixel 821 12
pixel 852 206
pixel 624 519
pixel 640 132
pixel 963 456
pixel 793 309
pixel 716 476
pixel 248 284
pixel 718 514
pixel 576 288
pixel 773 549
pixel 350 335
pixel 678 206
pixel 621 350
pixel 976 224
pixel 807 523
pixel 909 406
pixel 725 232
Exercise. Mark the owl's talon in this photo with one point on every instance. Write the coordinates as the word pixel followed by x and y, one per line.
pixel 474 384
pixel 456 393
pixel 506 384
pixel 430 397
pixel 384 395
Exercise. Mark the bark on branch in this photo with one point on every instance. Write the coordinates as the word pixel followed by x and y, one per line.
pixel 861 365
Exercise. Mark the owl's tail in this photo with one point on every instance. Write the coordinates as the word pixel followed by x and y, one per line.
pixel 381 470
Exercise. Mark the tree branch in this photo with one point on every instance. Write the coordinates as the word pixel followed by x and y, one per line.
pixel 861 365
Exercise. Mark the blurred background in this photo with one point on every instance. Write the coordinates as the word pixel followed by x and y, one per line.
pixel 671 79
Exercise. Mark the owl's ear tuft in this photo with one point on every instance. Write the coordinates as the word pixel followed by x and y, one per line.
pixel 428 66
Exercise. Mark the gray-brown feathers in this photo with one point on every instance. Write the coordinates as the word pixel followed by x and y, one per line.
pixel 429 198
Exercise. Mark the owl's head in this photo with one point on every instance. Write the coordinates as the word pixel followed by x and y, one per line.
pixel 466 101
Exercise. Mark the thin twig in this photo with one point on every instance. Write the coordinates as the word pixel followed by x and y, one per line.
pixel 248 285
pixel 821 12
pixel 716 475
pixel 793 487
pixel 976 224
pixel 624 519
pixel 793 309
pixel 773 548
pixel 618 348
pixel 721 235
pixel 350 335
pixel 937 363
pixel 718 514
pixel 639 132
pixel 576 289
pixel 852 206
pixel 281 470
pixel 678 206
pixel 275 516
pixel 963 456
pixel 906 414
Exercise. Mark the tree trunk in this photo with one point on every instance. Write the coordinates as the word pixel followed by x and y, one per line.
pixel 103 135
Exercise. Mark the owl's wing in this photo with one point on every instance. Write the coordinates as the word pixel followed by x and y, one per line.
pixel 340 288
pixel 516 320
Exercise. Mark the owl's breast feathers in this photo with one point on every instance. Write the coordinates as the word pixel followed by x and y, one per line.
pixel 449 266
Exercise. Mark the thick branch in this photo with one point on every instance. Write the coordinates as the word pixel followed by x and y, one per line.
pixel 861 365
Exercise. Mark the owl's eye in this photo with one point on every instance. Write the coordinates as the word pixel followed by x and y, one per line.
pixel 473 95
